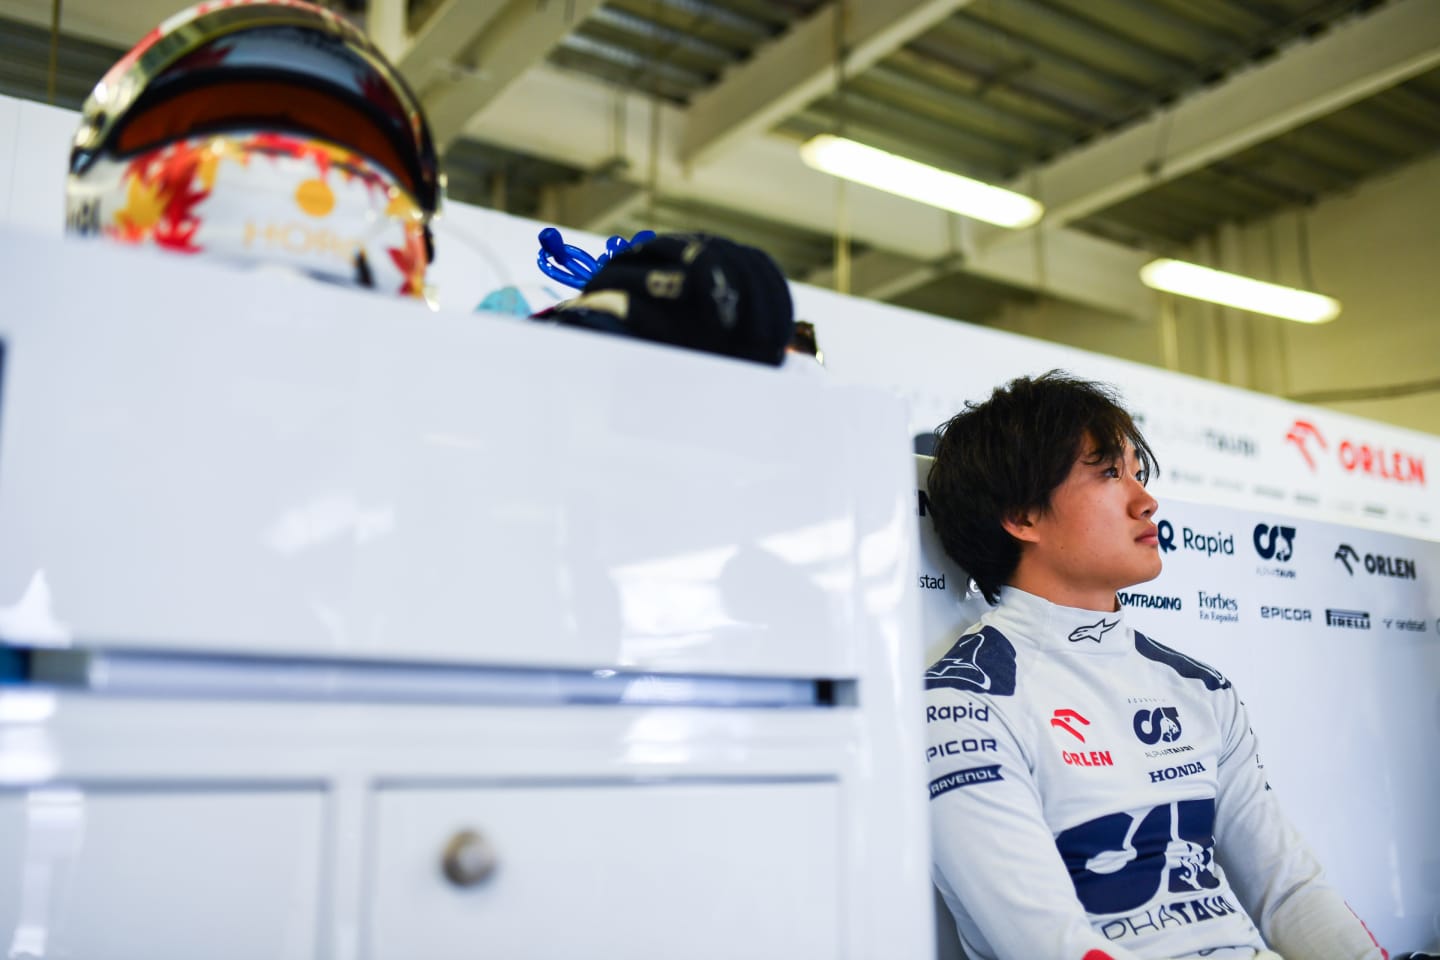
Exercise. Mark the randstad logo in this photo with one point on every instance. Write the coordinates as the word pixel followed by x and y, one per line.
pixel 1208 544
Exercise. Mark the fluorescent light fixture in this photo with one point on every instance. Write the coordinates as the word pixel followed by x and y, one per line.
pixel 1242 293
pixel 919 181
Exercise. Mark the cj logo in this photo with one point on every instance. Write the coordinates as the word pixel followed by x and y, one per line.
pixel 1121 861
pixel 1063 718
pixel 1153 726
pixel 1274 543
pixel 1345 553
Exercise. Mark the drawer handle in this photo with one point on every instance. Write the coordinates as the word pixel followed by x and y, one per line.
pixel 469 859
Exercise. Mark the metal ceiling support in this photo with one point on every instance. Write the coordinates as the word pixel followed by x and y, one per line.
pixel 1354 60
pixel 579 132
pixel 425 55
pixel 881 274
pixel 596 204
pixel 385 21
pixel 513 41
pixel 797 68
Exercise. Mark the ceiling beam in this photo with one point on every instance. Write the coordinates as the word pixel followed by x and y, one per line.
pixel 509 43
pixel 581 131
pixel 799 67
pixel 1354 60
pixel 434 50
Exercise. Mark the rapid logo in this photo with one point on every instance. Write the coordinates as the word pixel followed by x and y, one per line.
pixel 964 778
pixel 957 712
pixel 1122 861
pixel 1062 719
pixel 1352 619
pixel 1149 601
pixel 981 662
pixel 1402 568
pixel 1160 724
pixel 1208 544
pixel 1093 631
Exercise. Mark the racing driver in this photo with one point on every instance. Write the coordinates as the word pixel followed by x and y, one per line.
pixel 1095 795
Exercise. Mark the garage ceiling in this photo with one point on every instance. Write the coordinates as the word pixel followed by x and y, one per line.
pixel 1142 124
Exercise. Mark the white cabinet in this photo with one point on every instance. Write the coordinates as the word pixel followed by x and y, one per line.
pixel 661 870
pixel 299 583
pixel 105 874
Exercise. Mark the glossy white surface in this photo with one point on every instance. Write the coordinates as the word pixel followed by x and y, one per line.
pixel 361 498
pixel 144 872
pixel 655 803
pixel 294 468
pixel 708 871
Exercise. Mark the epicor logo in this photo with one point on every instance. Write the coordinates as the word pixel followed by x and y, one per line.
pixel 1153 726
pixel 1207 544
pixel 1274 543
pixel 1297 614
pixel 955 748
pixel 1063 718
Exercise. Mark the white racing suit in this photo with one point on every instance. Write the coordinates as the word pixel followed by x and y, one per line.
pixel 1098 796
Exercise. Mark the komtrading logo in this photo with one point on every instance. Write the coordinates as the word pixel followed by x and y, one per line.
pixel 1274 543
pixel 1350 619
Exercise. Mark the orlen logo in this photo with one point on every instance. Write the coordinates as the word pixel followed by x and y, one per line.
pixel 1274 543
pixel 1206 543
pixel 1063 719
pixel 1375 564
pixel 1355 457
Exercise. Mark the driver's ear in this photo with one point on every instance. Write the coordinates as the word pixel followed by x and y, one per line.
pixel 1020 524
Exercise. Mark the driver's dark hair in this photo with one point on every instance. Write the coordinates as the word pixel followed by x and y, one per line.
pixel 1005 456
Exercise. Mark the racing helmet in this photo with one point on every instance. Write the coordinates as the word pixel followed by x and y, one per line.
pixel 261 131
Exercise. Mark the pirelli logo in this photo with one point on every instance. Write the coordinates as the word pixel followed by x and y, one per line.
pixel 964 778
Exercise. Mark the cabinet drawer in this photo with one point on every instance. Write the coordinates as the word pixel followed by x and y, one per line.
pixel 628 870
pixel 117 874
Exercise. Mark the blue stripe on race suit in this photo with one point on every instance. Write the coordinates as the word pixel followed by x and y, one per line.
pixel 981 662
pixel 1120 862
